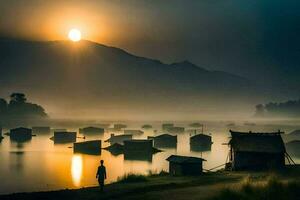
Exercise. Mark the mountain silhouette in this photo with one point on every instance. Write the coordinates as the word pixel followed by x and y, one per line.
pixel 88 75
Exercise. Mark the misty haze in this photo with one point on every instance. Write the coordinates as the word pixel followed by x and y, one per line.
pixel 135 99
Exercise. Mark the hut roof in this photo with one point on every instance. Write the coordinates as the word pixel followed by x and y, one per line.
pixel 137 141
pixel 120 136
pixel 201 136
pixel 184 159
pixel 21 128
pixel 165 136
pixel 257 142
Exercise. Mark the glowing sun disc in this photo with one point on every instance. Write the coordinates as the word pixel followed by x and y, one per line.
pixel 74 35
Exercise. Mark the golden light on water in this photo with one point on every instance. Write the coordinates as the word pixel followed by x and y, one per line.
pixel 74 35
pixel 76 169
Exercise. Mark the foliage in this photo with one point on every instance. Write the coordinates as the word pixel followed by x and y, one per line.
pixel 155 173
pixel 273 189
pixel 132 178
pixel 18 107
pixel 288 109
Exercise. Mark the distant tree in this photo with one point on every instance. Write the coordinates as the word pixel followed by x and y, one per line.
pixel 18 107
pixel 285 109
pixel 17 98
pixel 31 109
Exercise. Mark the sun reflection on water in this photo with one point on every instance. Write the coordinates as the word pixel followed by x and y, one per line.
pixel 76 169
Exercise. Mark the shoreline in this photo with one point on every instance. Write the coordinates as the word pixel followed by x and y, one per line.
pixel 119 189
pixel 205 186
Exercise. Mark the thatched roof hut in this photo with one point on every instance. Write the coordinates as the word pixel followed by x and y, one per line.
pixel 252 151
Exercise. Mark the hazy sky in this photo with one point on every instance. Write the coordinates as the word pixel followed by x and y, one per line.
pixel 217 34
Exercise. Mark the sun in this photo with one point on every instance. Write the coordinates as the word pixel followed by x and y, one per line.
pixel 74 35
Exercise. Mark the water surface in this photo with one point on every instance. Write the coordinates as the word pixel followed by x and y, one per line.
pixel 39 164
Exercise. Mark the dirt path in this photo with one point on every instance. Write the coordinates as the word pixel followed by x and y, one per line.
pixel 155 188
pixel 191 193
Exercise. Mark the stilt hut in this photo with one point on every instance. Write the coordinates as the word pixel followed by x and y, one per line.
pixel 200 142
pixel 256 151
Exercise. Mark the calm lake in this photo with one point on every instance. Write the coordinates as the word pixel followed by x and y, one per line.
pixel 40 165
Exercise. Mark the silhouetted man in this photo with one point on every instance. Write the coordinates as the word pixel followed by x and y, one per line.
pixel 101 175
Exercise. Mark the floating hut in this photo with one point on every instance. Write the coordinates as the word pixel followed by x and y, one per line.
pixel 88 147
pixel 185 165
pixel 20 134
pixel 200 142
pixel 133 132
pixel 59 130
pixel 164 141
pixel 256 151
pixel 146 126
pixel 196 125
pixel 138 150
pixel 91 130
pixel 166 126
pixel 119 126
pixel 41 130
pixel 64 137
pixel 175 129
pixel 115 149
pixel 118 138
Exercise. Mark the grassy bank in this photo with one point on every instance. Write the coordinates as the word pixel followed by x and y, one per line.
pixel 274 189
pixel 217 185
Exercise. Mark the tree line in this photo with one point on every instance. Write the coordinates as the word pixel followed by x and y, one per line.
pixel 285 109
pixel 17 107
